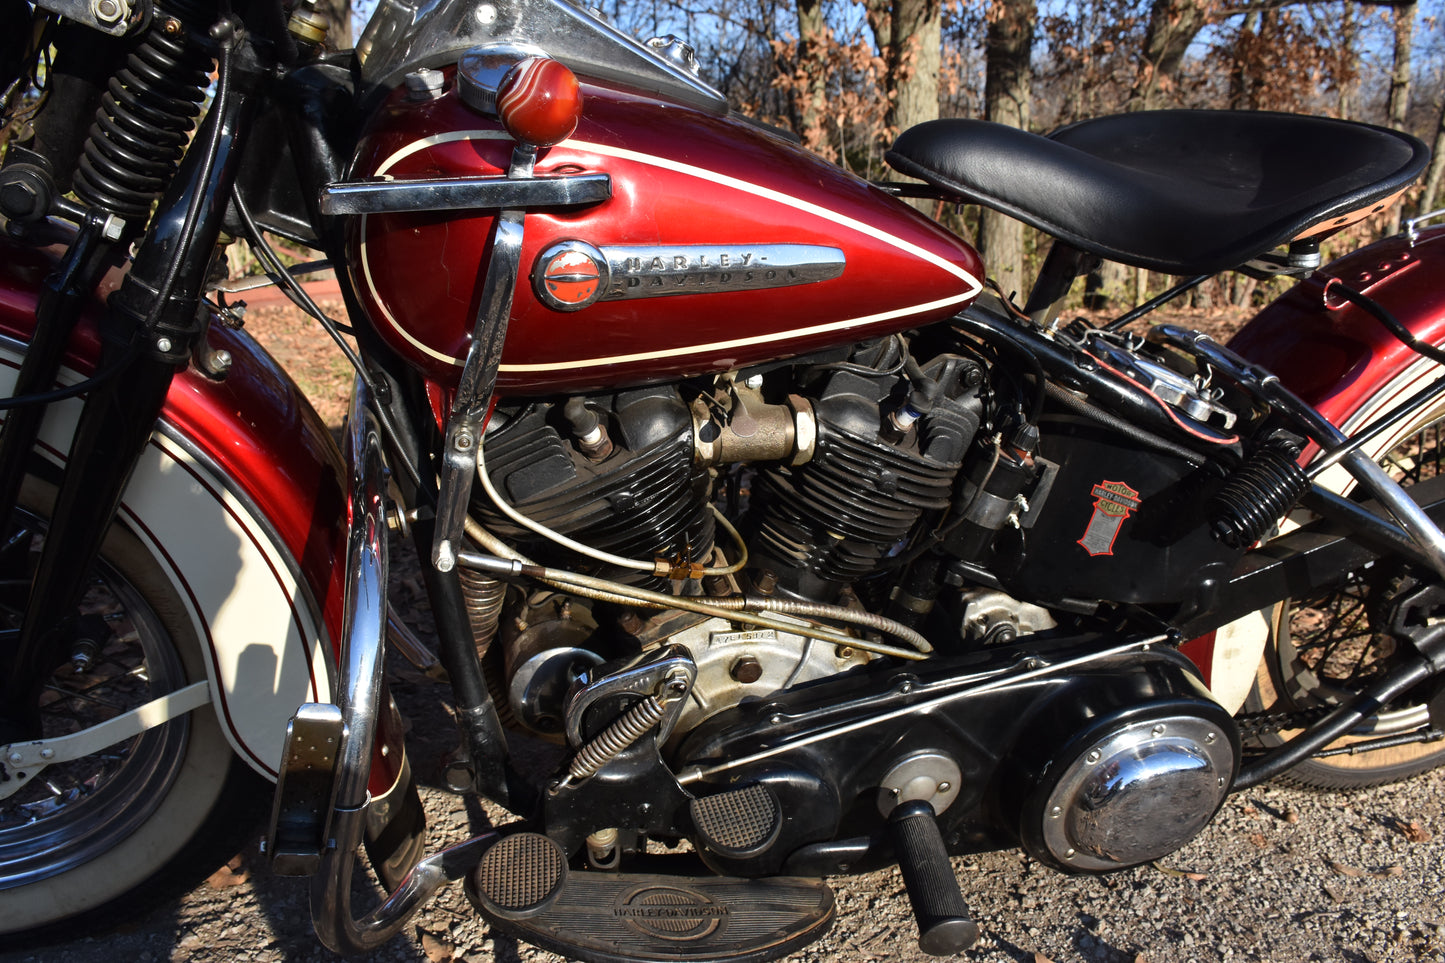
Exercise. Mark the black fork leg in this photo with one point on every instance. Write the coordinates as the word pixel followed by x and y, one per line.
pixel 149 332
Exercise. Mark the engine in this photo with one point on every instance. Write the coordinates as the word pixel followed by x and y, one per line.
pixel 831 472
pixel 889 487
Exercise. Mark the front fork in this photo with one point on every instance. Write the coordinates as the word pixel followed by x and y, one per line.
pixel 148 335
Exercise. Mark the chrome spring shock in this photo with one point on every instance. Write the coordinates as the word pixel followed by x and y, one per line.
pixel 144 122
pixel 617 737
pixel 632 726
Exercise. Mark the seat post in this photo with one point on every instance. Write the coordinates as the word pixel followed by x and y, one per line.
pixel 1062 265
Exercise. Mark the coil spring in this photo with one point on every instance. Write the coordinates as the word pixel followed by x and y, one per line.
pixel 617 737
pixel 144 122
pixel 483 598
pixel 1259 492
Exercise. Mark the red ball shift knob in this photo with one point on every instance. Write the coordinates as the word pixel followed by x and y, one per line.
pixel 539 102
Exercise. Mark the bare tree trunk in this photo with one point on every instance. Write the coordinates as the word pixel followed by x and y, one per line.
pixel 1437 168
pixel 812 59
pixel 1349 29
pixel 1173 25
pixel 1240 82
pixel 1400 84
pixel 909 34
pixel 1007 95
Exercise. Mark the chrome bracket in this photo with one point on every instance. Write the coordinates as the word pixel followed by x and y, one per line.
pixel 21 762
pixel 111 17
pixel 648 676
pixel 464 194
pixel 479 374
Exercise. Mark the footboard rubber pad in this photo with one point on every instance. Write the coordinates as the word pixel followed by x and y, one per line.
pixel 612 918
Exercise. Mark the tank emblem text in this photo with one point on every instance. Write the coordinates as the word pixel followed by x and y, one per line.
pixel 652 271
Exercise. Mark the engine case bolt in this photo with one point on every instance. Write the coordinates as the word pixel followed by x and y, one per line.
pixel 746 670
pixel 163 344
pixel 1094 755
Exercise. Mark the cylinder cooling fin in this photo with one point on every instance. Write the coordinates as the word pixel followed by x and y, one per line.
pixel 872 479
pixel 835 518
pixel 643 498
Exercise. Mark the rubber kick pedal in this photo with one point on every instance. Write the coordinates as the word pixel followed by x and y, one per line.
pixel 944 926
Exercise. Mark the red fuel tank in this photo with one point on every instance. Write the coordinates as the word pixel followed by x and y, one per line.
pixel 727 245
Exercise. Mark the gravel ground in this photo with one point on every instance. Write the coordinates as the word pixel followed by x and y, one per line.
pixel 1282 875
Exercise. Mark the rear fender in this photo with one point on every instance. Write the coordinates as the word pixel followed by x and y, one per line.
pixel 1333 354
pixel 1349 367
pixel 240 495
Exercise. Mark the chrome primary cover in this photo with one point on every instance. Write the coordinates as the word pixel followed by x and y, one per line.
pixel 1137 793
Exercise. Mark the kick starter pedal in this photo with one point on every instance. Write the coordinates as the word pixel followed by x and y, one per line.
pixel 944 926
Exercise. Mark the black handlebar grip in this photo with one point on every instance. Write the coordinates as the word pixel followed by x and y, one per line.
pixel 944 926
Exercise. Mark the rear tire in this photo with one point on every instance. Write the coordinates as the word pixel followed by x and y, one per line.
pixel 92 843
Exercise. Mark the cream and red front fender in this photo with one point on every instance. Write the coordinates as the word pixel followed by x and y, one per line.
pixel 240 497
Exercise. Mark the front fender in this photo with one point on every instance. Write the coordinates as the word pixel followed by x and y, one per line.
pixel 239 496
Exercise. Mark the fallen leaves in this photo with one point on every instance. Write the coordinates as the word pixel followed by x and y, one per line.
pixel 1167 871
pixel 1356 873
pixel 1258 840
pixel 234 873
pixel 437 950
pixel 1412 830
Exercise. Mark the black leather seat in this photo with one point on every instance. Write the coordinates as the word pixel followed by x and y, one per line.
pixel 1181 191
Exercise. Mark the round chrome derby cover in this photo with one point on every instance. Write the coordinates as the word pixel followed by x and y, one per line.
pixel 1138 793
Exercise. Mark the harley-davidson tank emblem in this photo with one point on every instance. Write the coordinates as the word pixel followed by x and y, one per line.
pixel 570 275
pixel 1113 502
pixel 571 278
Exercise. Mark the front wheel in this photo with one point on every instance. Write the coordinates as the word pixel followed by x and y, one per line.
pixel 90 843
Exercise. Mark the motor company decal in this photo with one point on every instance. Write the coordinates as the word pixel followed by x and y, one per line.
pixel 572 274
pixel 1113 502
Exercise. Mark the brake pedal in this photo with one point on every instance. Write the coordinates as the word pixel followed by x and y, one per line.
pixel 520 876
pixel 739 823
pixel 944 926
